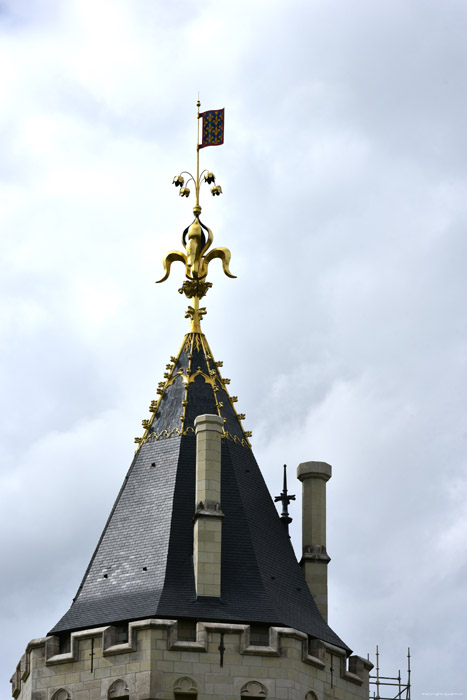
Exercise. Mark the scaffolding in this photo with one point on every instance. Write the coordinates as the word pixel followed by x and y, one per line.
pixel 403 689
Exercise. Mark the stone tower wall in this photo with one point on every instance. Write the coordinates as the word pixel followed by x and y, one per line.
pixel 221 664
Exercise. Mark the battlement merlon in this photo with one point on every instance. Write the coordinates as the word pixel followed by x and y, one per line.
pixel 152 642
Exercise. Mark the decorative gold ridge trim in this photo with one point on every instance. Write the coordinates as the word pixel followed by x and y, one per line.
pixel 170 433
pixel 197 240
pixel 214 379
pixel 209 357
pixel 154 405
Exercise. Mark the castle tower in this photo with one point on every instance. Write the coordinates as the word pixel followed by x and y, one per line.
pixel 193 590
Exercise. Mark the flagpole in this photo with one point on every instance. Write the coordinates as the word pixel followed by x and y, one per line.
pixel 199 238
pixel 197 211
pixel 198 104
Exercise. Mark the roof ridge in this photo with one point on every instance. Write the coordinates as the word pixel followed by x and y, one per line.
pixel 181 367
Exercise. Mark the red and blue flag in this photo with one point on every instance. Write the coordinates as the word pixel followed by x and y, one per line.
pixel 213 128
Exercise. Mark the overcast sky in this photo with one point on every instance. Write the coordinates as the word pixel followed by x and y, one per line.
pixel 344 173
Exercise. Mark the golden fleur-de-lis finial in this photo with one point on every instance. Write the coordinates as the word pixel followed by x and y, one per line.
pixel 197 240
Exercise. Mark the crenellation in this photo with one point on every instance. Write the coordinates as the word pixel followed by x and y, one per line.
pixel 291 661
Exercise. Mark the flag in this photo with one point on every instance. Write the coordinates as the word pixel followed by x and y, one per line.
pixel 213 128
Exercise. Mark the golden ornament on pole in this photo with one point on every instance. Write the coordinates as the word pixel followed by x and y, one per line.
pixel 197 238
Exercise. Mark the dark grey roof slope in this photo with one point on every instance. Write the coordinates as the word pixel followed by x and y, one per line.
pixel 143 564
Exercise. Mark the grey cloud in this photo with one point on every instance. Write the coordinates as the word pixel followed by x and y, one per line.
pixel 344 334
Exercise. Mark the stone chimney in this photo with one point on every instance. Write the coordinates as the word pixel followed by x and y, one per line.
pixel 315 559
pixel 207 529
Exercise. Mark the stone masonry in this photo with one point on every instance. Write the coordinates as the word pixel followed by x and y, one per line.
pixel 207 530
pixel 221 665
pixel 315 558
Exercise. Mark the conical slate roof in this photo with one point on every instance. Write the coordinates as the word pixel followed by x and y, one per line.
pixel 143 564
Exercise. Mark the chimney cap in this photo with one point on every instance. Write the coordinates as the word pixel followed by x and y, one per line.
pixel 316 470
pixel 209 421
